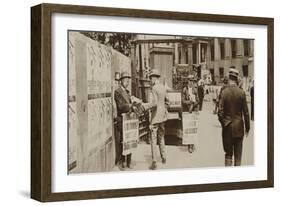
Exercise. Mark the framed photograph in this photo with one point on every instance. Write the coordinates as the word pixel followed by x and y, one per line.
pixel 128 102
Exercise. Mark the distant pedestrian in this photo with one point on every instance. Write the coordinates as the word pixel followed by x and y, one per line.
pixel 232 110
pixel 190 101
pixel 252 101
pixel 200 94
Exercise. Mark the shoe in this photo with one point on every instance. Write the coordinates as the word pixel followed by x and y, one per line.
pixel 228 162
pixel 191 148
pixel 237 162
pixel 153 166
pixel 164 160
pixel 130 166
pixel 122 166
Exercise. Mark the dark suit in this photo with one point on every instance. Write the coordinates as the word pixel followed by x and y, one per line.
pixel 252 102
pixel 123 102
pixel 232 109
pixel 200 96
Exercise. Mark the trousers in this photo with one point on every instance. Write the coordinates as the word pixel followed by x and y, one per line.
pixel 157 136
pixel 232 145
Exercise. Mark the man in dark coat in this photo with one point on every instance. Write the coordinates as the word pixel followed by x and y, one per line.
pixel 232 109
pixel 200 93
pixel 252 101
pixel 124 105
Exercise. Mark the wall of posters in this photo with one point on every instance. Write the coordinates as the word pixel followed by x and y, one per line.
pixel 90 104
pixel 72 114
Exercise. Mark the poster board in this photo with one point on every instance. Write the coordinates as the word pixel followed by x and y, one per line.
pixel 130 127
pixel 190 123
pixel 174 99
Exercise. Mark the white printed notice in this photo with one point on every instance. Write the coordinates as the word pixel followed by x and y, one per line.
pixel 130 126
pixel 190 128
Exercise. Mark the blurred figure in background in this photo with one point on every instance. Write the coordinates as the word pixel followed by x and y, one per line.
pixel 200 93
pixel 190 101
pixel 252 100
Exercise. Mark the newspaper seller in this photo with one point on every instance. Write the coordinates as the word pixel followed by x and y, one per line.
pixel 190 104
pixel 124 105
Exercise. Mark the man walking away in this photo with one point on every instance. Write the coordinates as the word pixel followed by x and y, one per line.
pixel 200 93
pixel 232 106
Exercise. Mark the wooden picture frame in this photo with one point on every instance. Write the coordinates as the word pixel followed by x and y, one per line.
pixel 41 97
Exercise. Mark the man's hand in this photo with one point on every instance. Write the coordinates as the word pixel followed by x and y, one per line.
pixel 136 100
pixel 246 134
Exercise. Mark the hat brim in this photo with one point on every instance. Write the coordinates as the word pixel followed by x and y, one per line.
pixel 154 75
pixel 233 75
pixel 129 77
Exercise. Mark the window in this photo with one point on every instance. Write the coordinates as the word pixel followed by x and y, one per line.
pixel 221 71
pixel 212 52
pixel 186 57
pixel 203 52
pixel 222 49
pixel 179 56
pixel 245 70
pixel 212 71
pixel 246 47
pixel 233 48
pixel 194 53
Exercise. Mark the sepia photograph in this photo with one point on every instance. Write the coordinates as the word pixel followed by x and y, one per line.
pixel 141 102
pixel 132 102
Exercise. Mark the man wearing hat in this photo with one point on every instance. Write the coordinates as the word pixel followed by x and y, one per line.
pixel 232 110
pixel 158 103
pixel 190 103
pixel 122 98
pixel 190 95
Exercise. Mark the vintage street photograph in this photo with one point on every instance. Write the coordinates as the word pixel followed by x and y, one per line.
pixel 140 102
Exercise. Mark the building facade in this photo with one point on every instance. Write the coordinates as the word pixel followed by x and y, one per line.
pixel 177 56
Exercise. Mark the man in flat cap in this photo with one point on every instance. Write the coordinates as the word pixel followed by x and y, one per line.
pixel 158 103
pixel 232 109
pixel 122 98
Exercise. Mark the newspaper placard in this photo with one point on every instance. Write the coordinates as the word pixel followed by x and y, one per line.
pixel 130 128
pixel 174 99
pixel 190 128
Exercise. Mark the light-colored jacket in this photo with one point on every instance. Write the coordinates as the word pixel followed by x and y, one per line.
pixel 158 102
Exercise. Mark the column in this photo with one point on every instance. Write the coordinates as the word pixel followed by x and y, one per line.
pixel 251 48
pixel 217 50
pixel 240 47
pixel 182 54
pixel 176 54
pixel 190 57
pixel 227 46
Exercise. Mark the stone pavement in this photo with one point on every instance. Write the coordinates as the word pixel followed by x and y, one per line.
pixel 209 151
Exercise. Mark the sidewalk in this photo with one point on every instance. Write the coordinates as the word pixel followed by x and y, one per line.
pixel 209 151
